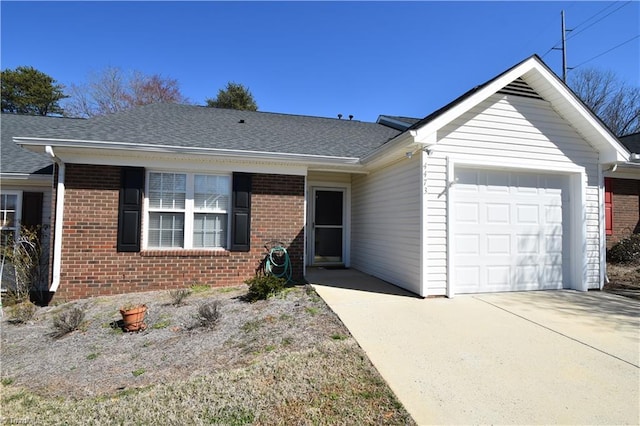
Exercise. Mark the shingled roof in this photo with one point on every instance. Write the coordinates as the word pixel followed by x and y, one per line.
pixel 631 142
pixel 203 127
pixel 15 159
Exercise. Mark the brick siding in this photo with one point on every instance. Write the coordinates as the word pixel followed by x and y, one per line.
pixel 91 266
pixel 626 209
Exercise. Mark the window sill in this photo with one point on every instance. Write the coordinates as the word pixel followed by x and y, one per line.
pixel 185 253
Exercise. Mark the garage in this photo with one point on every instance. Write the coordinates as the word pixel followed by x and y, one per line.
pixel 509 231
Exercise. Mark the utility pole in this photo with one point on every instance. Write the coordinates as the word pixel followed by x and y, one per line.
pixel 563 48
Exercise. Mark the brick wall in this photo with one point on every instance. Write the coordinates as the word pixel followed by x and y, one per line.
pixel 626 209
pixel 91 266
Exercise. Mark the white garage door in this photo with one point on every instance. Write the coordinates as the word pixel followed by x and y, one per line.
pixel 508 232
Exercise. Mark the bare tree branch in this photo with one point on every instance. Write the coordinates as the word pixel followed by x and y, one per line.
pixel 111 90
pixel 614 102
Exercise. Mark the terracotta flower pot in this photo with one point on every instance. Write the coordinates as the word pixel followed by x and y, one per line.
pixel 133 318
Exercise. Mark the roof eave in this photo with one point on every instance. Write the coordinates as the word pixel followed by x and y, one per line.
pixel 39 145
pixel 384 153
pixel 25 178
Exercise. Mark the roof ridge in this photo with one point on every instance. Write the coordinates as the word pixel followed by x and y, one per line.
pixel 285 114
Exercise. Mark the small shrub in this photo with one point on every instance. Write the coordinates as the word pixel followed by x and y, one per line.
pixel 261 287
pixel 625 251
pixel 178 296
pixel 67 321
pixel 24 259
pixel 21 313
pixel 7 381
pixel 199 288
pixel 208 314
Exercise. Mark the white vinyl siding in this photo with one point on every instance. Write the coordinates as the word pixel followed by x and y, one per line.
pixel 519 133
pixel 436 225
pixel 385 221
pixel 329 177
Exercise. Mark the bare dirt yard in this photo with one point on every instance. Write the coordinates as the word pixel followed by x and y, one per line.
pixel 624 279
pixel 285 360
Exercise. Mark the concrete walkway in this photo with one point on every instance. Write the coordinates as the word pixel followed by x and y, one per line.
pixel 559 357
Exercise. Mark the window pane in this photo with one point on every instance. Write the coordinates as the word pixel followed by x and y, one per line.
pixel 210 230
pixel 211 193
pixel 167 190
pixel 8 204
pixel 166 229
pixel 155 181
pixel 8 219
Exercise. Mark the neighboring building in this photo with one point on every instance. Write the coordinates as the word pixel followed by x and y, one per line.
pixel 501 190
pixel 622 194
pixel 25 182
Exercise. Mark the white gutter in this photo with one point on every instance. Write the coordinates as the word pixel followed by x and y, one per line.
pixel 59 221
pixel 173 149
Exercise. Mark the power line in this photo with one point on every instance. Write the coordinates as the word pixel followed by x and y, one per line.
pixel 593 16
pixel 605 52
pixel 573 34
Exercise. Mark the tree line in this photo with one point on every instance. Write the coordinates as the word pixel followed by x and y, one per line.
pixel 26 90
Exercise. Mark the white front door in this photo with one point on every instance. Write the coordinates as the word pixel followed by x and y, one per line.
pixel 328 226
pixel 508 232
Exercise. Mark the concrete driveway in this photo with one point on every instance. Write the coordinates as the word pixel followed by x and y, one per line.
pixel 544 357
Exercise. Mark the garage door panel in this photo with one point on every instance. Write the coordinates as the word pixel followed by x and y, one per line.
pixel 553 244
pixel 468 278
pixel 527 276
pixel 552 276
pixel 498 213
pixel 527 244
pixel 467 213
pixel 553 214
pixel 498 244
pixel 528 214
pixel 498 277
pixel 509 231
pixel 467 181
pixel 467 244
pixel 497 182
pixel 526 184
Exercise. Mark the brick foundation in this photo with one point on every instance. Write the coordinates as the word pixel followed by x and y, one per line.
pixel 626 209
pixel 91 266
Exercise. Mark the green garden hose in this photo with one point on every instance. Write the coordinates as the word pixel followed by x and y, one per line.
pixel 278 263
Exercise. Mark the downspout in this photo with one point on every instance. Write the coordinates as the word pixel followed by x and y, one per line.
pixel 59 221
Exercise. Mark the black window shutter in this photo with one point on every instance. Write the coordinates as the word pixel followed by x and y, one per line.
pixel 130 209
pixel 241 212
pixel 31 209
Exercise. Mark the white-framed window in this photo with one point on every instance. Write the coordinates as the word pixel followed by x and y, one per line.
pixel 10 212
pixel 187 210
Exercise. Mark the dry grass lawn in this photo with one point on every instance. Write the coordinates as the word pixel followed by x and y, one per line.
pixel 286 360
